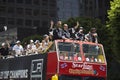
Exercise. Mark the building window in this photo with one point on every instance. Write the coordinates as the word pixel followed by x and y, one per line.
pixel 28 1
pixel 19 11
pixel 28 22
pixel 86 8
pixel 52 5
pixel 90 8
pixel 28 11
pixel 2 20
pixel 91 3
pixel 53 1
pixel 44 12
pixel 11 10
pixel 2 9
pixel 81 6
pixel 19 22
pixel 86 2
pixel 11 21
pixel 19 1
pixel 36 2
pixel 36 23
pixel 36 12
pixel 3 1
pixel 44 4
pixel 45 23
pixel 11 1
pixel 52 14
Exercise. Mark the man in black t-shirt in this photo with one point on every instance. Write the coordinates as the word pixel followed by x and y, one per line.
pixel 92 36
pixel 80 34
pixel 4 50
pixel 57 32
pixel 73 30
pixel 65 34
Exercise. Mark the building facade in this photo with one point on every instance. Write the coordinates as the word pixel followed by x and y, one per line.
pixel 27 13
pixel 38 13
pixel 68 9
pixel 83 8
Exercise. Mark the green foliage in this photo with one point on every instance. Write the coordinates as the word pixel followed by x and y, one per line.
pixel 113 26
pixel 87 24
pixel 33 37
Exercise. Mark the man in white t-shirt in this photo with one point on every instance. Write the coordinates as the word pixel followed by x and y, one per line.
pixel 18 48
pixel 31 48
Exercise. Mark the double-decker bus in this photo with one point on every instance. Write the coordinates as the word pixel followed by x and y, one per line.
pixel 63 60
pixel 77 60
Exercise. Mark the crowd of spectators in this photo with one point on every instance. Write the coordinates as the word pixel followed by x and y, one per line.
pixel 16 50
pixel 56 31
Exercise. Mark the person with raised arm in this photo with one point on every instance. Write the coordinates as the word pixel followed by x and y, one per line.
pixel 73 30
pixel 80 34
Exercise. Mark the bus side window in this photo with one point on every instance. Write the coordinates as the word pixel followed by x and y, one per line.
pixel 66 56
pixel 61 56
pixel 85 48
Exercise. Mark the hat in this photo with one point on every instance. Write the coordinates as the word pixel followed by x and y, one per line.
pixel 31 41
pixel 18 41
pixel 92 29
pixel 37 41
pixel 51 33
pixel 65 25
pixel 45 36
pixel 81 27
pixel 3 44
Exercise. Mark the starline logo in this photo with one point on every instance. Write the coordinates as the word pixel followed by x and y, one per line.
pixel 83 66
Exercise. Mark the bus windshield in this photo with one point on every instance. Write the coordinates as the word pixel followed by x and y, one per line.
pixel 93 53
pixel 69 51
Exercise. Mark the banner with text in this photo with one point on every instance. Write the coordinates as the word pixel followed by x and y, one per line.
pixel 31 67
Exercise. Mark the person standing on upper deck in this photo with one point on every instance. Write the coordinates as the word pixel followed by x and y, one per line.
pixel 73 30
pixel 80 34
pixel 92 36
pixel 57 32
pixel 66 34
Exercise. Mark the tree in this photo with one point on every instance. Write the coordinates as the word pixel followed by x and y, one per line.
pixel 33 37
pixel 87 24
pixel 113 26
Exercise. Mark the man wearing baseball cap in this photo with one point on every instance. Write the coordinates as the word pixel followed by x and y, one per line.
pixel 18 48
